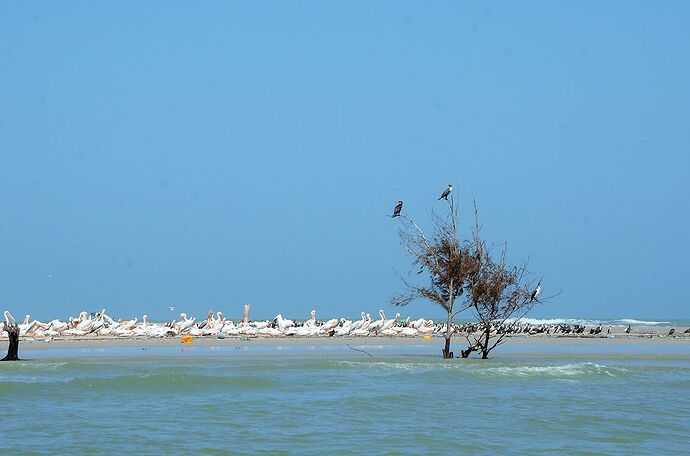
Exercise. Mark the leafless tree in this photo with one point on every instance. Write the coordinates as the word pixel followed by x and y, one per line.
pixel 498 294
pixel 462 274
pixel 448 262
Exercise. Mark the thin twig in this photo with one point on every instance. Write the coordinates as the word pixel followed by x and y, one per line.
pixel 357 349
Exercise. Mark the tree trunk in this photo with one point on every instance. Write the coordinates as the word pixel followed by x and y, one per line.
pixel 13 348
pixel 447 354
pixel 486 349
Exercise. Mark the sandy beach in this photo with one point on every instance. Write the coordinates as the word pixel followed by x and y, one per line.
pixel 640 335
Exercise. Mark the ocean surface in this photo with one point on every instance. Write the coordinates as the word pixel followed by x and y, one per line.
pixel 538 398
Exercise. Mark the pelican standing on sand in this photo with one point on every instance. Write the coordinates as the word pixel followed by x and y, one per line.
pixel 8 315
pixel 245 316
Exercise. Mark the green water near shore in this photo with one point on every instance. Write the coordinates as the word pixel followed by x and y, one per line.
pixel 308 400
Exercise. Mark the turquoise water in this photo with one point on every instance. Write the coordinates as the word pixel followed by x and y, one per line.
pixel 595 398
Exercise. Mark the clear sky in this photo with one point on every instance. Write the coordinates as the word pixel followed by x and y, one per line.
pixel 207 154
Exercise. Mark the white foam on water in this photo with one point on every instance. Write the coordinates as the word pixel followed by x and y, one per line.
pixel 564 370
pixel 572 370
pixel 631 321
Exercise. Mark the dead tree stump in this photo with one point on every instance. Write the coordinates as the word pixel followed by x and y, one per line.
pixel 13 349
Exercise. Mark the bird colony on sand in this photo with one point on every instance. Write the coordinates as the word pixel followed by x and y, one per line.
pixel 101 324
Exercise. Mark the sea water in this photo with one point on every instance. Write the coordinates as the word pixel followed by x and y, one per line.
pixel 593 398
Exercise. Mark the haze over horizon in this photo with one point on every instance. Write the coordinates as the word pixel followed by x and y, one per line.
pixel 208 155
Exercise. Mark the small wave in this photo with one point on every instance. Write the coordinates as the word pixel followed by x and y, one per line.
pixel 588 369
pixel 555 371
pixel 631 321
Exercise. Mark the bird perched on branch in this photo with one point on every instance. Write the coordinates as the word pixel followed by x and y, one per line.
pixel 535 293
pixel 446 192
pixel 398 208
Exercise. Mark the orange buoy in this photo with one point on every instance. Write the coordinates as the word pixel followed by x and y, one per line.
pixel 186 340
pixel 426 337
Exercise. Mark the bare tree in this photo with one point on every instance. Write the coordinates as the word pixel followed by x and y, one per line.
pixel 498 295
pixel 462 274
pixel 447 261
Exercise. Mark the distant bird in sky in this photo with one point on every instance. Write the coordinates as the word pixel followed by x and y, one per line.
pixel 398 208
pixel 446 192
pixel 536 292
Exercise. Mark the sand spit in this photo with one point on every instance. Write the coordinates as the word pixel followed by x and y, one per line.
pixel 641 335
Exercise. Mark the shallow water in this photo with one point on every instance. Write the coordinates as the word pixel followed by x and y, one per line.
pixel 307 400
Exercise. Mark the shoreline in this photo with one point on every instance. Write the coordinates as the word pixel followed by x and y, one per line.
pixel 209 341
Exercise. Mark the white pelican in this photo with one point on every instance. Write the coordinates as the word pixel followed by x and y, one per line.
pixel 283 323
pixel 9 316
pixel 408 331
pixel 344 328
pixel 388 324
pixel 269 332
pixel 25 327
pixel 208 323
pixel 219 324
pixel 378 324
pixel 245 316
pixel 358 324
pixel 363 330
pixel 185 324
pixel 329 325
pixel 85 323
pixel 143 329
pixel 307 331
pixel 311 323
pixel 260 324
pixel 229 328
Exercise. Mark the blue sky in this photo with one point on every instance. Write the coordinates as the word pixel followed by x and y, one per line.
pixel 207 154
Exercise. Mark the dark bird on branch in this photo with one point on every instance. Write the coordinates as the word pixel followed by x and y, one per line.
pixel 398 208
pixel 446 192
pixel 535 293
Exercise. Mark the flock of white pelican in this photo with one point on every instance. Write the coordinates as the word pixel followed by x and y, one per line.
pixel 216 325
